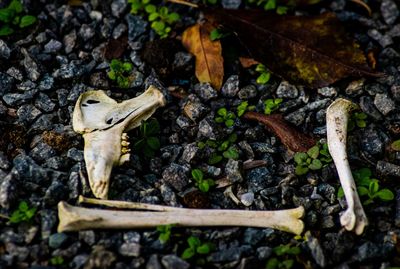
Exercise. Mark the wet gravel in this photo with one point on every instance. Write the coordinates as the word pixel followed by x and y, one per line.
pixel 45 68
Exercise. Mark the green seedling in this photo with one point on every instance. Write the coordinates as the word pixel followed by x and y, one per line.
pixel 264 76
pixel 11 17
pixel 270 105
pixel 228 118
pixel 196 248
pixel 243 107
pixel 202 183
pixel 270 5
pixel 395 145
pixel 57 260
pixel 284 257
pixel 120 72
pixel 314 159
pixel 368 187
pixel 24 213
pixel 217 34
pixel 224 149
pixel 138 6
pixel 148 142
pixel 164 232
pixel 357 119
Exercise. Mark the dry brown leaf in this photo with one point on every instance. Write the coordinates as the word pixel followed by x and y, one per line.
pixel 209 61
pixel 247 62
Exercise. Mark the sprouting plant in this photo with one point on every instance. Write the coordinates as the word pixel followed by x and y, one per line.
pixel 264 76
pixel 368 187
pixel 119 72
pixel 243 107
pixel 270 5
pixel 314 159
pixel 24 213
pixel 164 232
pixel 357 119
pixel 224 149
pixel 270 105
pixel 395 145
pixel 138 6
pixel 202 183
pixel 225 117
pixel 196 248
pixel 10 17
pixel 57 260
pixel 284 257
pixel 217 33
pixel 148 141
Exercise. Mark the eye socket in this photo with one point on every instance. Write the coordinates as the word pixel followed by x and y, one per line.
pixel 109 121
pixel 92 102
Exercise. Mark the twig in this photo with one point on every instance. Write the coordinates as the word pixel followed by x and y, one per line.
pixel 183 2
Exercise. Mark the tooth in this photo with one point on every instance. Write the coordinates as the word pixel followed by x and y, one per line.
pixel 103 122
pixel 124 158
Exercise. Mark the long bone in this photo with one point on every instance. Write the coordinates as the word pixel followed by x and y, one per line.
pixel 103 122
pixel 337 115
pixel 73 218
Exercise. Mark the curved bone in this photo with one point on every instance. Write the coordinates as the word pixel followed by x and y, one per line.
pixel 103 121
pixel 337 115
pixel 74 218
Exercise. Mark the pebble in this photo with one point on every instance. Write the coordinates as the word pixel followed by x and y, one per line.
pixel 6 83
pixel 190 153
pixel 52 46
pixel 247 92
pixel 328 91
pixel 48 222
pixel 175 176
pixel 55 193
pixel 136 26
pixel 14 73
pixel 28 113
pixel 287 90
pixel 174 262
pixel 367 252
pixel 100 258
pixel 57 240
pixel 233 170
pixel 355 87
pixel 383 40
pixel 231 4
pixel 258 178
pixel 369 108
pixel 153 262
pixel 205 91
pixel 5 51
pixel 385 169
pixel 31 67
pixel 130 249
pixel 118 7
pixel 316 250
pixel 390 11
pixel 207 129
pixel 253 236
pixel 230 254
pixel 86 32
pixel 231 86
pixel 371 142
pixel 29 170
pixel 119 30
pixel 8 190
pixel 195 110
pixel 46 83
pixel 44 103
pixel 264 253
pixel 88 236
pixel 384 104
pixel 69 41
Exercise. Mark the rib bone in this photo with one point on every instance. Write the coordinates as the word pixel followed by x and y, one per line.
pixel 337 115
pixel 73 218
pixel 103 123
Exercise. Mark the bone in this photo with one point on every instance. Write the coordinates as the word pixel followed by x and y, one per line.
pixel 337 115
pixel 74 218
pixel 103 122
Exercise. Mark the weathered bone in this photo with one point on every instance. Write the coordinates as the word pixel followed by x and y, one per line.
pixel 337 115
pixel 72 218
pixel 103 123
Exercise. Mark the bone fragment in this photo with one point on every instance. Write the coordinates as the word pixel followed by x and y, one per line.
pixel 337 115
pixel 103 122
pixel 73 218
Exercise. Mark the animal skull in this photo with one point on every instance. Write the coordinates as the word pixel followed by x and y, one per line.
pixel 103 122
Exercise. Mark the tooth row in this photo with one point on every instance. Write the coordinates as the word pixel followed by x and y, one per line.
pixel 124 137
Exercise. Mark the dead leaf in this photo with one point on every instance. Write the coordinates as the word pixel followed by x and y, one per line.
pixel 209 61
pixel 75 3
pixel 312 51
pixel 247 62
pixel 289 136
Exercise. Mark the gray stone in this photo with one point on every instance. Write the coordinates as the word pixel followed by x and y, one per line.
pixel 183 122
pixel 383 40
pixel 153 262
pixel 86 32
pixel 16 99
pixel 182 61
pixel 119 30
pixel 28 170
pixel 88 236
pixel 30 65
pixel 264 253
pixel 207 129
pixel 55 193
pixel 233 170
pixel 287 90
pixel 14 73
pixel 258 178
pixel 75 154
pixel 41 152
pixel 367 252
pixel 46 83
pixel 371 142
pixel 69 41
pixel 5 51
pixel 136 26
pixel 369 108
pixel 66 71
pixel 44 103
pixel 174 262
pixel 48 222
pixel 57 240
pixel 4 163
pixel 175 176
pixel 118 7
pixel 247 198
pixel 52 46
pixel 6 83
pixel 8 190
pixel 327 222
pixel 41 37
pixel 28 113
pixel 387 169
pixel 231 4
pixel 100 258
pixel 231 86
pixel 79 260
pixel 195 110
pixel 205 91
pixel 129 249
pixel 253 236
pixel 107 26
pixel 384 104
pixel 260 147
pixel 230 254
pixel 62 95
pixel 390 11
pixel 328 91
pixel 190 153
pixel 316 250
pixel 248 92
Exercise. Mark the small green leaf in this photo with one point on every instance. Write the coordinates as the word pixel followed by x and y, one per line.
pixel 229 123
pixel 219 120
pixel 6 30
pixel 301 170
pixel 203 249
pixel 16 6
pixel 153 127
pixel 340 193
pixel 300 157
pixel 173 17
pixel 272 263
pixel 193 242
pixel 150 8
pixel 127 67
pixel 315 164
pixel 361 123
pixel 281 10
pixel 385 195
pixel 271 4
pixel 263 78
pixel 231 153
pixel 23 206
pixel 313 152
pixel 395 145
pixel 224 146
pixel 232 138
pixel 111 75
pixel 6 15
pixel 203 186
pixel 281 250
pixel 164 237
pixel 222 112
pixel 153 16
pixel 27 21
pixel 373 187
pixel 215 34
pixel 261 68
pixel 214 159
pixel 153 142
pixel 287 264
pixel 197 174
pixel 188 253
pixel 294 250
pixel 201 145
pixel 362 191
pixel 158 26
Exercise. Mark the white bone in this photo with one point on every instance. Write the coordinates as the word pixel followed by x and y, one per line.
pixel 103 123
pixel 337 115
pixel 74 218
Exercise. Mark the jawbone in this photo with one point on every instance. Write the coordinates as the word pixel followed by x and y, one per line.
pixel 103 123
